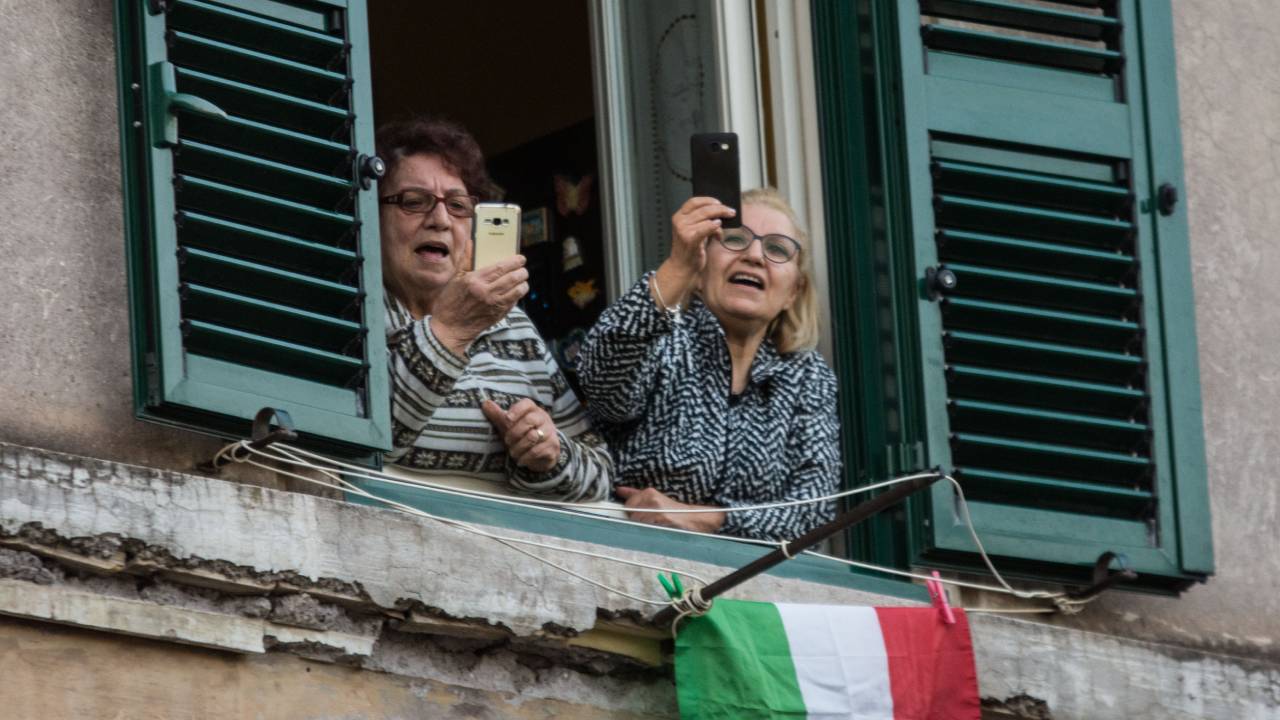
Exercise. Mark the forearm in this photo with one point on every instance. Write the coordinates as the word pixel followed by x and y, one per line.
pixel 422 372
pixel 785 523
pixel 672 285
pixel 583 472
pixel 620 362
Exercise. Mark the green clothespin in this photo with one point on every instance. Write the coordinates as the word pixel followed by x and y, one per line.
pixel 674 588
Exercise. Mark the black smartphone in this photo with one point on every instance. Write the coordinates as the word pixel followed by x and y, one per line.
pixel 715 171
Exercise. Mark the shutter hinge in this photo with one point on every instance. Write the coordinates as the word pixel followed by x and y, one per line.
pixel 153 379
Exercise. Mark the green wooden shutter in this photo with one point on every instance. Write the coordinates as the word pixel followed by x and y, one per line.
pixel 253 245
pixel 1058 378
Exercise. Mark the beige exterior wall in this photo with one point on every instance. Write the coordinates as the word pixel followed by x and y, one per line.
pixel 120 677
pixel 1229 90
pixel 66 380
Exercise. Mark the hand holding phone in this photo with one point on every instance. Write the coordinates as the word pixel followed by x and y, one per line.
pixel 495 234
pixel 715 171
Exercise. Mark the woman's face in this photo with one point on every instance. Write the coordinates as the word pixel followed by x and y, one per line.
pixel 744 289
pixel 422 252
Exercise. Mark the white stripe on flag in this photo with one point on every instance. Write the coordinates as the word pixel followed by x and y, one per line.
pixel 840 661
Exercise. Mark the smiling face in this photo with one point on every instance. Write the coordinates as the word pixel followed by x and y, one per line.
pixel 743 289
pixel 421 253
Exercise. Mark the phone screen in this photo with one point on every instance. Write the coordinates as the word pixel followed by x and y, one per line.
pixel 495 233
pixel 715 171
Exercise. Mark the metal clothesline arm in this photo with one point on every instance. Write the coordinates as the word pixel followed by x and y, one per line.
pixel 792 548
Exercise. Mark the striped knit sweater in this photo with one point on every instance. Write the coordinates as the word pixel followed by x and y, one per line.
pixel 437 425
pixel 658 388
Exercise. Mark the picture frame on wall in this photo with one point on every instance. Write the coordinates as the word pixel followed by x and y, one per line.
pixel 533 227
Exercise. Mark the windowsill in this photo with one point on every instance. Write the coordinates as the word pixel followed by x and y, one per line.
pixel 462 483
pixel 577 524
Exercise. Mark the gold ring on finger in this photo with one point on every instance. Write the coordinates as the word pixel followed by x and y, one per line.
pixel 541 435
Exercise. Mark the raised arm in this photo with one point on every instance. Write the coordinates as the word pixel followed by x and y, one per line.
pixel 621 359
pixel 426 357
pixel 619 362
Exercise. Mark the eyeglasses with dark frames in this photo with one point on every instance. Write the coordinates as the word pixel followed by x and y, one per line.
pixel 777 247
pixel 420 202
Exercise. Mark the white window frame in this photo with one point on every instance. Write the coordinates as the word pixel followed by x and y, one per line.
pixel 792 115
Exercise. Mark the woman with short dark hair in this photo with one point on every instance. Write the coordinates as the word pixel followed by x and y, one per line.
pixel 464 360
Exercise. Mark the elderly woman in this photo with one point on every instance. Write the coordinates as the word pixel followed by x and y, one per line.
pixel 724 403
pixel 474 389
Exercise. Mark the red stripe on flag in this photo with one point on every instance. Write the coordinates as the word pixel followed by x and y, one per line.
pixel 931 670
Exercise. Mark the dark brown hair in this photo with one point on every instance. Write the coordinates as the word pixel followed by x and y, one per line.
pixel 422 135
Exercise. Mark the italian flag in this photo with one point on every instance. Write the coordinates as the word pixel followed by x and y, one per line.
pixel 765 660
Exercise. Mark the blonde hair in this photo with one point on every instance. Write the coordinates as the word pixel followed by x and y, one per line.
pixel 795 328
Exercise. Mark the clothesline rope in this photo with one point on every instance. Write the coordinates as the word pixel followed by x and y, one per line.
pixel 508 541
pixel 282 453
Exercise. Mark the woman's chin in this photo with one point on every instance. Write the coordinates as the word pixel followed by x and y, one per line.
pixel 743 314
pixel 432 276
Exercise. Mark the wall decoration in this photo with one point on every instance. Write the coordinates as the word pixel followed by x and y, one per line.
pixel 533 227
pixel 573 198
pixel 584 292
pixel 572 254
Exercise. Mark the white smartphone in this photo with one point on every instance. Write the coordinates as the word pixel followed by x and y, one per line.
pixel 495 234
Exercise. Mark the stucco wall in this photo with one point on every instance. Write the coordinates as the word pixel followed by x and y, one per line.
pixel 1229 90
pixel 65 378
pixel 65 383
pixel 125 677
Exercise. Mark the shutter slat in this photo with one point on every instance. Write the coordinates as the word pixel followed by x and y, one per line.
pixel 265 176
pixel 269 353
pixel 1020 254
pixel 267 283
pixel 1040 223
pixel 258 68
pixel 264 106
pixel 262 210
pixel 1037 458
pixel 1042 290
pixel 280 321
pixel 1036 188
pixel 241 28
pixel 249 243
pixel 985 484
pixel 1039 323
pixel 1025 17
pixel 1030 423
pixel 271 142
pixel 1009 353
pixel 1046 391
pixel 1026 50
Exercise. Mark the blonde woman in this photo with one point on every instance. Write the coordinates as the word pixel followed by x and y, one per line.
pixel 704 380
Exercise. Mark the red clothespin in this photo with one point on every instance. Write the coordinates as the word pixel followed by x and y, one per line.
pixel 939 596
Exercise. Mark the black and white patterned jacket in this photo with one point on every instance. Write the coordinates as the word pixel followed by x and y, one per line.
pixel 658 387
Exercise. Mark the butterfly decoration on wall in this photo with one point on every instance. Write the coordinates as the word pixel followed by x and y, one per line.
pixel 573 198
pixel 584 292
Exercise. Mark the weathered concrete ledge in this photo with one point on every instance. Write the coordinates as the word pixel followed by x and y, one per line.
pixel 191 524
pixel 201 561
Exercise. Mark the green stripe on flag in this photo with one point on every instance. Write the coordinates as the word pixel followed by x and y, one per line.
pixel 748 672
